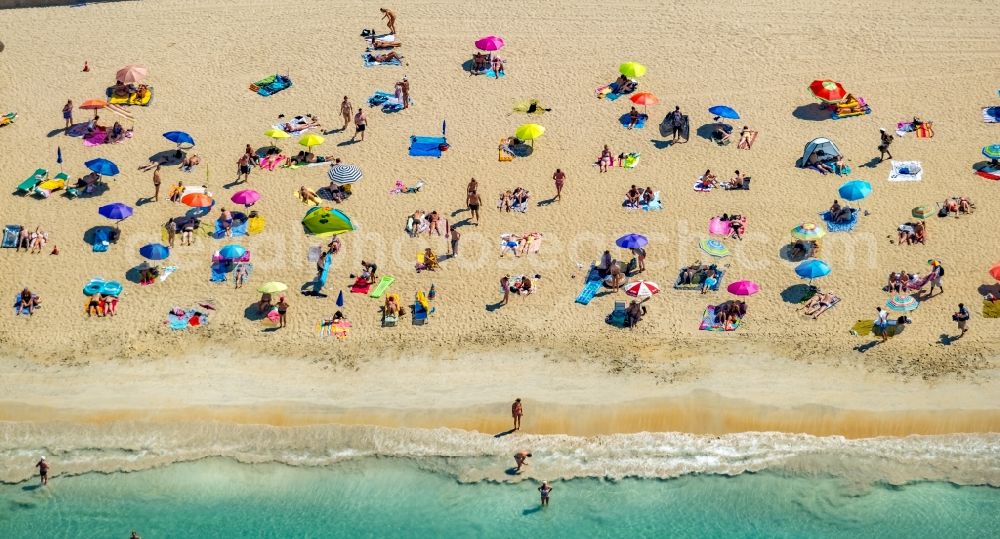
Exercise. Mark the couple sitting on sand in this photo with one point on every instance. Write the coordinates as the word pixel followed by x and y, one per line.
pixel 840 214
pixel 727 314
pixel 516 200
pixel 636 197
pixel 910 233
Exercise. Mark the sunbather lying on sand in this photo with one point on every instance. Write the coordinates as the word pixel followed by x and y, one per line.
pixel 624 85
pixel 190 162
pixel 746 137
pixel 382 58
pixel 818 304
pixel 384 44
pixel 308 195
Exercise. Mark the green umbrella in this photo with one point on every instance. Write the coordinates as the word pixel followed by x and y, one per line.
pixel 632 70
pixel 322 221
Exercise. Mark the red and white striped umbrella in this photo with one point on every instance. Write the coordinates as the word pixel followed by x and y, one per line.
pixel 642 289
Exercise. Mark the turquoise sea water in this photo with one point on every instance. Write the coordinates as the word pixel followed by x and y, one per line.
pixel 396 497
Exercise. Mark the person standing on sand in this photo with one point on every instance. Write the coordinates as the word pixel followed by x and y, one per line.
pixel 68 113
pixel 505 288
pixel 962 317
pixel 347 111
pixel 937 272
pixel 545 490
pixel 455 236
pixel 171 227
pixel 883 323
pixel 521 459
pixel 883 147
pixel 243 168
pixel 360 124
pixel 559 177
pixel 404 85
pixel 156 183
pixel 390 19
pixel 43 470
pixel 282 310
pixel 474 201
pixel 517 411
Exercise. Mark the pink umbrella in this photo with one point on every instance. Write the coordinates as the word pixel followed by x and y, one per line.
pixel 490 43
pixel 718 227
pixel 247 197
pixel 743 288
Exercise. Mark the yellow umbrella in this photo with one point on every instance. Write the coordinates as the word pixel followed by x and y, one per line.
pixel 529 132
pixel 311 139
pixel 272 287
pixel 632 70
pixel 276 133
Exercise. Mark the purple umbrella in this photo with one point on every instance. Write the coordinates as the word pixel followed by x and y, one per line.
pixel 247 197
pixel 115 211
pixel 490 43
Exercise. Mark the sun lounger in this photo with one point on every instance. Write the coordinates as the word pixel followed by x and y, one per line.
pixel 618 317
pixel 46 188
pixel 382 286
pixel 593 284
pixel 271 85
pixel 32 182
pixel 426 146
pixel 11 233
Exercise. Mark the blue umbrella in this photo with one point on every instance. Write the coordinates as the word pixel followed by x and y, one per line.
pixel 723 111
pixel 855 190
pixel 631 241
pixel 232 252
pixel 59 157
pixel 154 251
pixel 340 299
pixel 179 137
pixel 812 269
pixel 116 211
pixel 102 166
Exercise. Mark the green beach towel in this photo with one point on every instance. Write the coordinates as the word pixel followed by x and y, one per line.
pixel 991 309
pixel 382 286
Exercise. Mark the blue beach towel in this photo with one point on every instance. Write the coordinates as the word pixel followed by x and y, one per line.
pixel 590 289
pixel 493 74
pixel 840 227
pixel 219 271
pixel 239 229
pixel 638 125
pixel 271 85
pixel 366 60
pixel 102 239
pixel 387 101
pixel 17 305
pixel 426 146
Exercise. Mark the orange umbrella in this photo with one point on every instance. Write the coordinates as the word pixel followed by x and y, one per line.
pixel 197 200
pixel 645 98
pixel 94 104
pixel 995 271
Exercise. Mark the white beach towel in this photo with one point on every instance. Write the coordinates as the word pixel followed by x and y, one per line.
pixel 293 121
pixel 906 171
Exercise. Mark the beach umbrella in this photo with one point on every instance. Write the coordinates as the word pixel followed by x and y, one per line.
pixel 855 190
pixel 808 232
pixel 344 174
pixel 197 200
pixel 632 70
pixel 324 221
pixel 529 132
pixel 246 197
pixel 102 166
pixel 490 43
pixel 276 133
pixel 272 287
pixel 179 137
pixel 714 248
pixel 340 298
pixel 995 271
pixel 131 73
pixel 59 157
pixel 154 251
pixel 992 151
pixel 115 211
pixel 722 111
pixel 645 99
pixel 642 289
pixel 311 139
pixel 827 91
pixel 94 105
pixel 232 252
pixel 631 241
pixel 902 303
pixel 743 288
pixel 812 269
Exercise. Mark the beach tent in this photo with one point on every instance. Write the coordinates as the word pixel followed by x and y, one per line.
pixel 818 144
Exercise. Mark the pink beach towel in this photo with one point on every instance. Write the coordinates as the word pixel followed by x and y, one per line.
pixel 96 138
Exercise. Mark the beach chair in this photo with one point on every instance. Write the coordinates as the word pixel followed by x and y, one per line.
pixel 29 185
pixel 382 286
pixel 618 318
pixel 10 235
pixel 7 119
pixel 593 284
pixel 421 309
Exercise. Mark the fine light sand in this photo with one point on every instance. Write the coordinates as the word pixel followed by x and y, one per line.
pixel 756 57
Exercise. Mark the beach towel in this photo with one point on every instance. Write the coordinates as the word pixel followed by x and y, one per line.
pixel 492 74
pixel 989 173
pixel 702 187
pixel 654 204
pixel 8 119
pixel 298 196
pixel 296 121
pixel 255 225
pixel 840 227
pixel 167 271
pixel 708 322
pixel 46 188
pixel 593 284
pixel 610 92
pixel 906 171
pixel 639 124
pixel 101 240
pixel 426 146
pixel 387 101
pixel 17 304
pixel 179 319
pixel 631 160
pixel 505 154
pixel 96 138
pixel 864 328
pixel 239 228
pixel 366 60
pixel 382 286
pixel 10 235
pixel 696 283
pixel 991 309
pixel 925 130
pixel 219 271
pixel 327 328
pixel 271 85
pixel 360 286
pixel 991 115
pixel 131 99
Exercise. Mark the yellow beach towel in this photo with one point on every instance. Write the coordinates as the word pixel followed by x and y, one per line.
pixel 255 225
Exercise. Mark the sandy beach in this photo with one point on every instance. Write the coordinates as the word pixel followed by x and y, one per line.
pixel 780 371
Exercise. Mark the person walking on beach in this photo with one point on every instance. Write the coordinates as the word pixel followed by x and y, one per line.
pixel 517 411
pixel 937 273
pixel 455 236
pixel 545 490
pixel 559 177
pixel 675 122
pixel 521 459
pixel 474 201
pixel 243 168
pixel 390 19
pixel 346 111
pixel 883 147
pixel 171 227
pixel 505 288
pixel 156 183
pixel 882 322
pixel 282 310
pixel 68 113
pixel 43 470
pixel 962 318
pixel 360 124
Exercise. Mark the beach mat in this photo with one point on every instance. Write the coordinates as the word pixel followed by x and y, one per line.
pixel 991 309
pixel 708 322
pixel 10 235
pixel 360 287
pixel 186 319
pixel 991 115
pixel 382 286
pixel 132 99
pixel 906 171
pixel 367 62
pixel 271 85
pixel 624 120
pixel 426 146
pixel 840 227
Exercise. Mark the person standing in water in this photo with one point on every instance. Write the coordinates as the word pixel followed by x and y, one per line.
pixel 516 411
pixel 43 470
pixel 545 490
